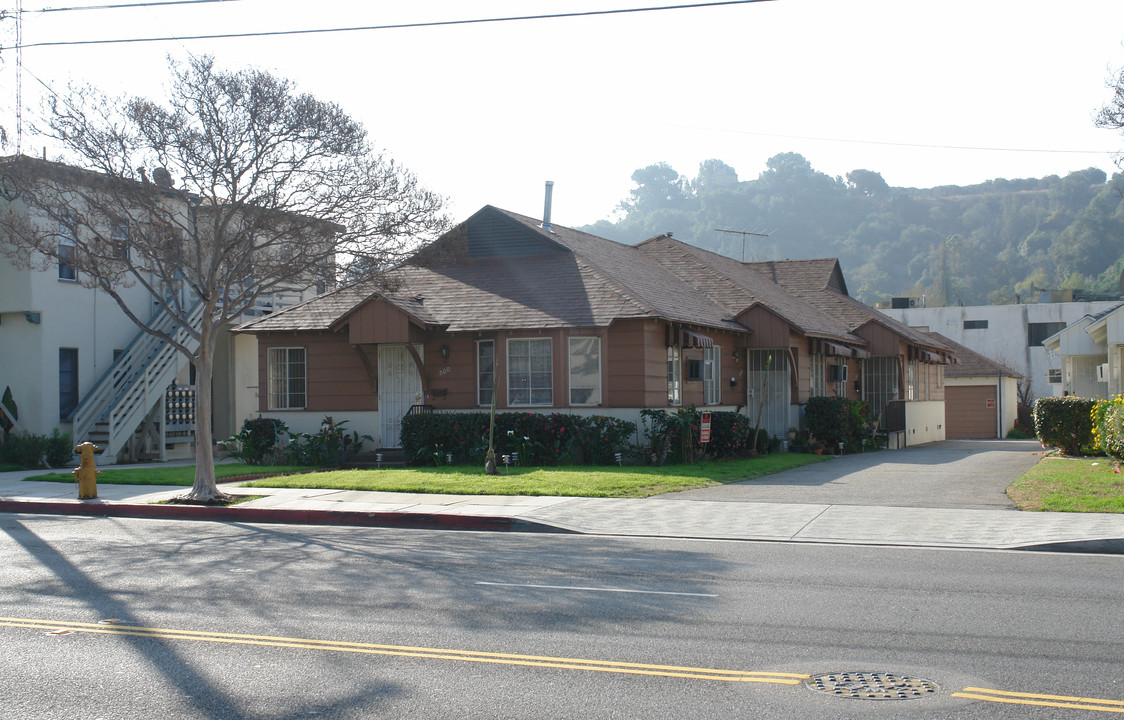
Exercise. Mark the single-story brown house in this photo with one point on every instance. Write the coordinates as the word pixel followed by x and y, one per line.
pixel 556 320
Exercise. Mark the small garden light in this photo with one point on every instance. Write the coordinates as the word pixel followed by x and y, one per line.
pixel 515 458
pixel 449 458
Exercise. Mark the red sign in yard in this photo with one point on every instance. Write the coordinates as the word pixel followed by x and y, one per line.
pixel 704 428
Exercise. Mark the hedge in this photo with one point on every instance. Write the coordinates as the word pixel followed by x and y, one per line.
pixel 1065 423
pixel 538 438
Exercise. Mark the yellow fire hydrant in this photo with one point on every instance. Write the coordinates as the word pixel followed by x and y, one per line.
pixel 86 473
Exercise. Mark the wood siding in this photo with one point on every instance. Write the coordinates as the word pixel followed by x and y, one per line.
pixel 336 377
pixel 380 322
pixel 883 341
pixel 636 364
pixel 769 329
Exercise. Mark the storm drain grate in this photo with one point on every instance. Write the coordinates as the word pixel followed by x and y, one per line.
pixel 872 685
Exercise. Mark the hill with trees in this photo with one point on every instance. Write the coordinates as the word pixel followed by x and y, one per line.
pixel 1002 241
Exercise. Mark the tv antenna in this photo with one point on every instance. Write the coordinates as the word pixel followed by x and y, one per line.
pixel 745 234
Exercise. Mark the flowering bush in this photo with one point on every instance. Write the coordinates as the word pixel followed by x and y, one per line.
pixel 1108 426
pixel 538 438
pixel 1065 423
pixel 674 437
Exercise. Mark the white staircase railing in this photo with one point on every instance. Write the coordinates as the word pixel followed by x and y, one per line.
pixel 131 388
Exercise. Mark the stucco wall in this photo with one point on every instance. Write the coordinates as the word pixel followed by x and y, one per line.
pixel 1005 338
pixel 924 422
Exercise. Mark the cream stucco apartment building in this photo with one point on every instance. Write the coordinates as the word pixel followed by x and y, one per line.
pixel 1012 335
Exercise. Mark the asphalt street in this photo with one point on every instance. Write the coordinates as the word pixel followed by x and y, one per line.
pixel 128 618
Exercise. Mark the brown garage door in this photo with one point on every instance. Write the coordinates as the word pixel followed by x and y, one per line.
pixel 970 412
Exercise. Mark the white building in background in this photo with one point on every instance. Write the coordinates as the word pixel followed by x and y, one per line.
pixel 1009 334
pixel 1091 353
pixel 74 361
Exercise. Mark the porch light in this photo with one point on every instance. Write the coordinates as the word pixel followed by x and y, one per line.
pixel 445 352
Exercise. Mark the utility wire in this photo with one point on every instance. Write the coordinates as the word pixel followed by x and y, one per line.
pixel 399 26
pixel 893 144
pixel 123 5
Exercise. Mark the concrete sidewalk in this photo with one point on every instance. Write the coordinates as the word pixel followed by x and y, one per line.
pixel 660 516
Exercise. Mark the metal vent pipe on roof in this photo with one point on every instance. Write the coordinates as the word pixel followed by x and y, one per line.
pixel 546 208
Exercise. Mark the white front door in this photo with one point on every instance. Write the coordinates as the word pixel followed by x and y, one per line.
pixel 400 388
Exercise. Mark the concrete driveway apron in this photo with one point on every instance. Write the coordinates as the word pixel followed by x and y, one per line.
pixel 969 474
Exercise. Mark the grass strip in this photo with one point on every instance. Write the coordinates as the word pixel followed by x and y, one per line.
pixel 572 481
pixel 171 475
pixel 1065 484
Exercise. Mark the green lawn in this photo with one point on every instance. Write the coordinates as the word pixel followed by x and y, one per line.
pixel 176 475
pixel 1064 484
pixel 575 481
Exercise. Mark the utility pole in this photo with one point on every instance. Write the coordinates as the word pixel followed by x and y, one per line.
pixel 744 234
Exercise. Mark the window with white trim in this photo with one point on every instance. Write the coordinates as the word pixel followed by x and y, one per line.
pixel 711 372
pixel 530 372
pixel 287 378
pixel 585 371
pixel 485 371
pixel 674 377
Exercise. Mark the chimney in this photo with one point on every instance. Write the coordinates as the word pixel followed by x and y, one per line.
pixel 546 209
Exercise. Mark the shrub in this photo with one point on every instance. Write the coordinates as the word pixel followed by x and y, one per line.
pixel 1065 423
pixel 330 447
pixel 24 450
pixel 258 436
pixel 1107 418
pixel 59 449
pixel 834 420
pixel 538 438
pixel 674 437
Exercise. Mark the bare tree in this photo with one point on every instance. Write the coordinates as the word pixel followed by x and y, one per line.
pixel 1111 114
pixel 251 187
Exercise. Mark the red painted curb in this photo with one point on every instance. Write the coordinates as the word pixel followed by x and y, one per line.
pixel 235 513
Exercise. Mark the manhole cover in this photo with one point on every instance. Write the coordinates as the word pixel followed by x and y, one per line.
pixel 872 685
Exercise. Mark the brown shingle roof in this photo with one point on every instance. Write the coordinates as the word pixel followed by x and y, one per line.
pixel 819 282
pixel 587 281
pixel 737 287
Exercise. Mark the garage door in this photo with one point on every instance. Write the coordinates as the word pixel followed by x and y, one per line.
pixel 970 412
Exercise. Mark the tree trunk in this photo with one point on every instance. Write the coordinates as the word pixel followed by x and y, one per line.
pixel 205 488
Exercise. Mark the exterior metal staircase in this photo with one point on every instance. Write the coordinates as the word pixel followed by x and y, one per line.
pixel 133 387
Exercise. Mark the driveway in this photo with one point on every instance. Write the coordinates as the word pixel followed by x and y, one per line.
pixel 970 474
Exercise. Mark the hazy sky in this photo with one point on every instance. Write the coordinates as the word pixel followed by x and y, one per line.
pixel 945 92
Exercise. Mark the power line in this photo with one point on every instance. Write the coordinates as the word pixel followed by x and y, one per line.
pixel 123 5
pixel 399 26
pixel 894 144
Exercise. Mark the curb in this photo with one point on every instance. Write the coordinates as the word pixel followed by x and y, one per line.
pixel 234 513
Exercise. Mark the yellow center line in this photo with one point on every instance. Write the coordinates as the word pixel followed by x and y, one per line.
pixel 420 652
pixel 1054 701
